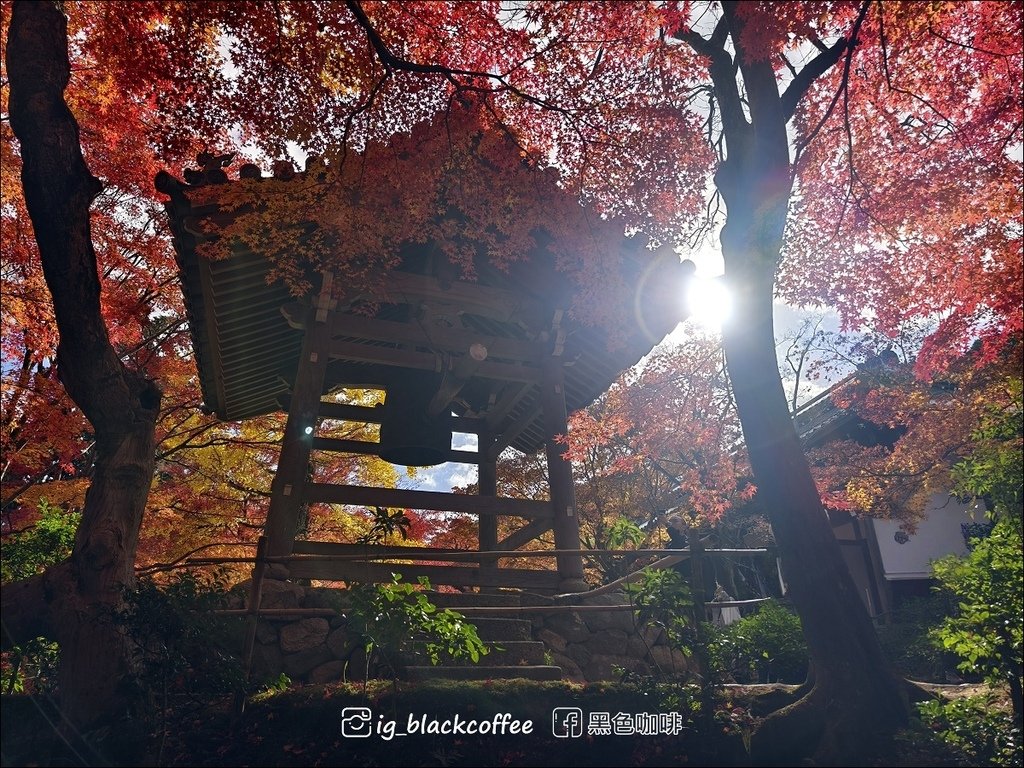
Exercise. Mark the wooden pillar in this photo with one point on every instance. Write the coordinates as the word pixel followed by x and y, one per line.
pixel 487 469
pixel 566 524
pixel 287 489
pixel 700 610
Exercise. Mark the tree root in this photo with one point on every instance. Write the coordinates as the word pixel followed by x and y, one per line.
pixel 830 725
pixel 788 735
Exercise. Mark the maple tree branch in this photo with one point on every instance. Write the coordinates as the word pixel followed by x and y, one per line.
pixel 146 340
pixel 40 477
pixel 788 63
pixel 934 33
pixel 180 563
pixel 818 66
pixel 722 70
pixel 391 61
pixel 952 126
pixel 817 41
pixel 843 90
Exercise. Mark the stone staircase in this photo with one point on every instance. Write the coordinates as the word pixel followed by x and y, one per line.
pixel 514 653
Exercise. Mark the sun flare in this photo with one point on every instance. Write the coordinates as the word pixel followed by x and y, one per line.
pixel 709 302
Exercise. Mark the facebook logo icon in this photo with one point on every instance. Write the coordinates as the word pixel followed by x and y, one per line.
pixel 567 722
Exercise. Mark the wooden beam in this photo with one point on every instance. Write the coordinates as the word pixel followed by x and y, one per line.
pixel 286 490
pixel 374 415
pixel 462 576
pixel 506 438
pixel 366 448
pixel 565 523
pixel 455 379
pixel 525 534
pixel 512 395
pixel 425 361
pixel 476 299
pixel 409 499
pixel 433 337
pixel 487 526
pixel 329 548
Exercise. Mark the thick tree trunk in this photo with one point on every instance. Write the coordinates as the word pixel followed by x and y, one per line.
pixel 75 602
pixel 854 694
pixel 851 695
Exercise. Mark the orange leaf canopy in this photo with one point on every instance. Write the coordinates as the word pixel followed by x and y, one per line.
pixel 453 208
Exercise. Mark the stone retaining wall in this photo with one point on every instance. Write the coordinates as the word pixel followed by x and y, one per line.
pixel 588 646
pixel 596 645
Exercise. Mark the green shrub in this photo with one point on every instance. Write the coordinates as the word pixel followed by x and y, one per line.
pixel 662 599
pixel 766 647
pixel 184 651
pixel 397 622
pixel 987 632
pixel 983 734
pixel 906 642
pixel 32 666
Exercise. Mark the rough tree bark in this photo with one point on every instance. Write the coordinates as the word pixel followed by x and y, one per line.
pixel 852 695
pixel 73 602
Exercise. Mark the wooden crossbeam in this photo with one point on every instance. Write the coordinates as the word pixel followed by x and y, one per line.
pixel 425 361
pixel 409 499
pixel 463 576
pixel 525 534
pixel 432 337
pixel 333 548
pixel 475 298
pixel 366 448
pixel 375 415
pixel 506 438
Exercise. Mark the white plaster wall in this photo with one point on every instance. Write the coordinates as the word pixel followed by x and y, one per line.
pixel 937 535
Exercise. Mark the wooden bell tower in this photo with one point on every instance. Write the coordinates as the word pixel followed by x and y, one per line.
pixel 500 357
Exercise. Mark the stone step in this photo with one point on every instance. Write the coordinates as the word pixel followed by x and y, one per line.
pixel 456 600
pixel 510 653
pixel 501 629
pixel 479 672
pixel 515 653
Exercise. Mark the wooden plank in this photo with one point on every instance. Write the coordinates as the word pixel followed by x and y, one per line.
pixel 425 361
pixel 506 438
pixel 434 337
pixel 286 490
pixel 463 576
pixel 358 413
pixel 565 523
pixel 374 415
pixel 366 448
pixel 409 499
pixel 487 526
pixel 454 381
pixel 525 535
pixel 484 300
pixel 213 331
pixel 509 398
pixel 329 548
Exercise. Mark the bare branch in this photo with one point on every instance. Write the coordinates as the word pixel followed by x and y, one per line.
pixel 391 61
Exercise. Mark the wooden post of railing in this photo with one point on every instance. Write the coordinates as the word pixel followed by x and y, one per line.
pixel 487 524
pixel 565 523
pixel 255 597
pixel 287 488
pixel 700 611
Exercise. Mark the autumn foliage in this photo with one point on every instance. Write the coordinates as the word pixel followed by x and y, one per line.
pixel 673 415
pixel 863 155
